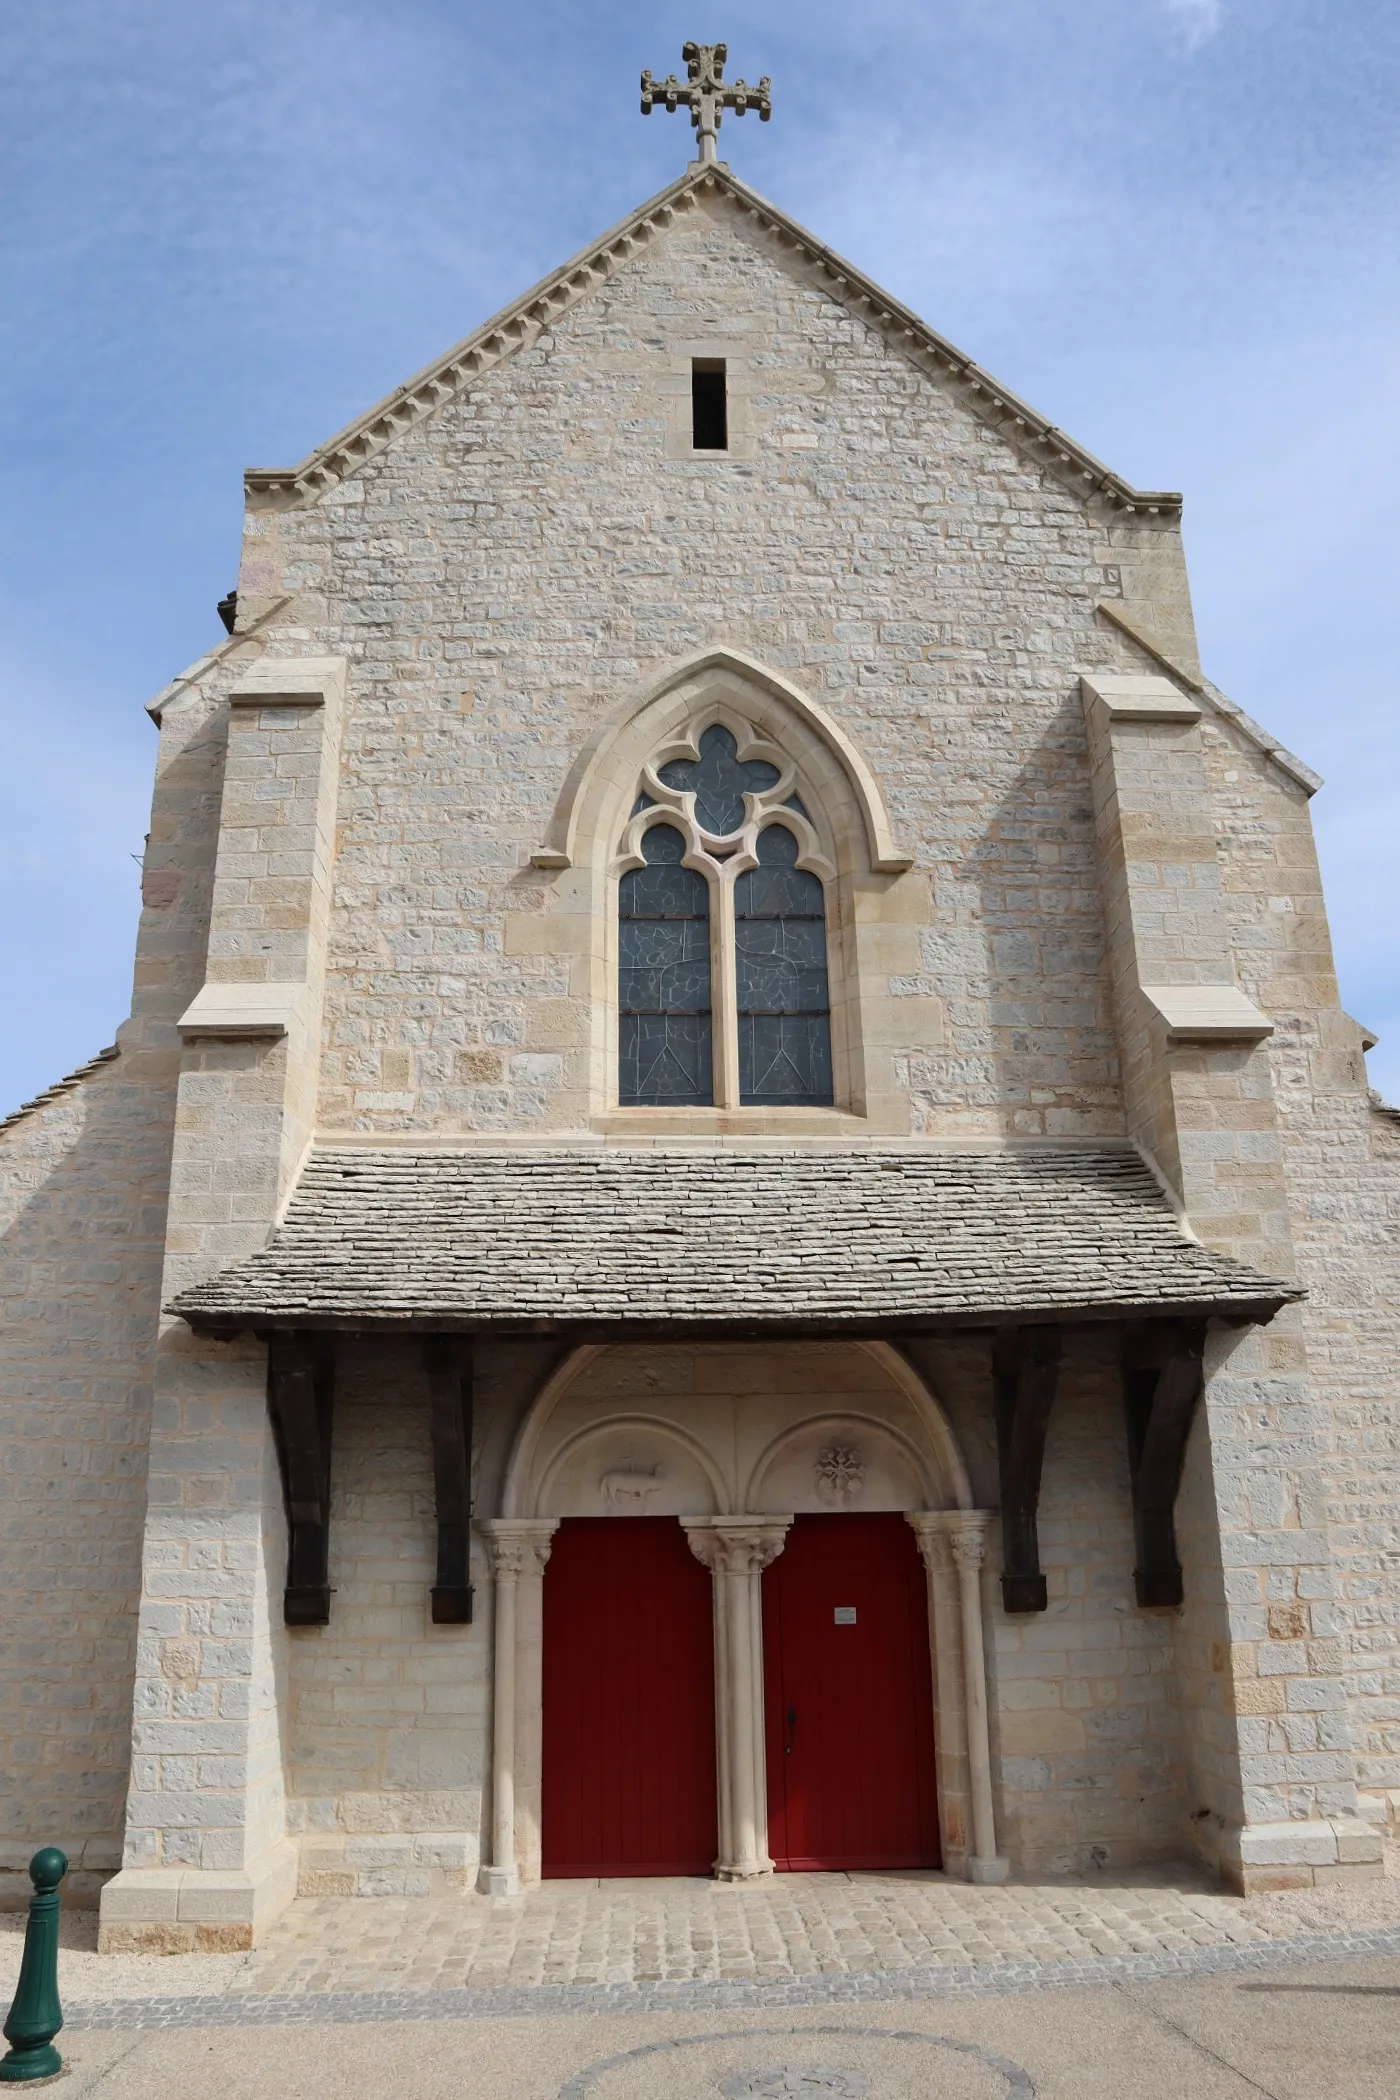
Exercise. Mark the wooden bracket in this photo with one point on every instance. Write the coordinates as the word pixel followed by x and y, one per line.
pixel 1162 1378
pixel 1025 1372
pixel 300 1395
pixel 447 1360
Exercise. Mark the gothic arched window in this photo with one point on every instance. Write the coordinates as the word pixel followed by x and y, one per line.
pixel 723 995
pixel 664 977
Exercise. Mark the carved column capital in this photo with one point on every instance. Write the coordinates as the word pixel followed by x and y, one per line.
pixel 951 1537
pixel 516 1545
pixel 969 1546
pixel 736 1545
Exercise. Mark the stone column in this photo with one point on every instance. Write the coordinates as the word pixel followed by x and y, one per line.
pixel 517 1550
pixel 736 1550
pixel 953 1547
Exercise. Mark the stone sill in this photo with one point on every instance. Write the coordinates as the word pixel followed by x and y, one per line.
pixel 740 1123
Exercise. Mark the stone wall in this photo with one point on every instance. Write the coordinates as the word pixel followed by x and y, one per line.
pixel 81 1217
pixel 83 1182
pixel 1344 1162
pixel 1315 1619
pixel 1085 1696
pixel 388 1725
pixel 515 568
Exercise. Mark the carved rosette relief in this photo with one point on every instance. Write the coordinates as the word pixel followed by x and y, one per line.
pixel 839 1475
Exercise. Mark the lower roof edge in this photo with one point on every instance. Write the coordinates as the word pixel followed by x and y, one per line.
pixel 1238 1312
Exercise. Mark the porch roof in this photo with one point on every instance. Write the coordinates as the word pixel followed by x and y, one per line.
pixel 641 1240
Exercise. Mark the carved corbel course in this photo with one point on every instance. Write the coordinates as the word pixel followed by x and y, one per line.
pixel 1162 1378
pixel 300 1396
pixel 1025 1372
pixel 447 1360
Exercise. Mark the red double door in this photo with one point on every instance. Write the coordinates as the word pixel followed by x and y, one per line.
pixel 629 1703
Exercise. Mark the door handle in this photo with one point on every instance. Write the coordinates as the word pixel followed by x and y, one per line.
pixel 792 1729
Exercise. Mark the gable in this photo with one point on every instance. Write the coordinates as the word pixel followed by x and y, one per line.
pixel 521 324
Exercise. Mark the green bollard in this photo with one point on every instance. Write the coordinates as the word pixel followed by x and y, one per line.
pixel 36 2015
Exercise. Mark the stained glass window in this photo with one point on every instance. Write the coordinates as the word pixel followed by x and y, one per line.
pixel 784 1003
pixel 719 778
pixel 664 1052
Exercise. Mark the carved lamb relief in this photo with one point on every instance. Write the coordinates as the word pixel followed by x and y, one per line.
pixel 626 1492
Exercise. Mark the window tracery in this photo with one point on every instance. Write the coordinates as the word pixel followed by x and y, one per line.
pixel 723 980
pixel 719 780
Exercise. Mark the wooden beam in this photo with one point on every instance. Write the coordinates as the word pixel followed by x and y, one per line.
pixel 300 1395
pixel 447 1360
pixel 1025 1372
pixel 1162 1378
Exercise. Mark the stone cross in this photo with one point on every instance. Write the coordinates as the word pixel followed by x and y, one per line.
pixel 705 95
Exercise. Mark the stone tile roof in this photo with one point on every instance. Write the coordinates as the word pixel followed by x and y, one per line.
pixel 60 1087
pixel 531 1240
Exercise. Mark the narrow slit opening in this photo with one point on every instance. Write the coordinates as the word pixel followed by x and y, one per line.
pixel 709 407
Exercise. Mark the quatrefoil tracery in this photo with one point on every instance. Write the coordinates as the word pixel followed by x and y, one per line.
pixel 722 855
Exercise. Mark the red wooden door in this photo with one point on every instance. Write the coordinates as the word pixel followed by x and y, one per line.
pixel 629 1701
pixel 849 1698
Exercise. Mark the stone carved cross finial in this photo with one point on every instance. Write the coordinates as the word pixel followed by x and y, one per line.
pixel 705 94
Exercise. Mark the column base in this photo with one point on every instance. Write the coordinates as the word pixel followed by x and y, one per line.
pixel 988 1873
pixel 759 1871
pixel 498 1881
pixel 196 1910
pixel 1263 1857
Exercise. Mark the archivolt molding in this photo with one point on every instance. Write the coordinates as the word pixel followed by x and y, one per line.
pixel 525 1449
pixel 534 1464
pixel 766 714
pixel 952 1471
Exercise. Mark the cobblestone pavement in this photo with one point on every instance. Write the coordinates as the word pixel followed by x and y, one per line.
pixel 796 1925
pixel 798 1939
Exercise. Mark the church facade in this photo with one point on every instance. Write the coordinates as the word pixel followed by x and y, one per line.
pixel 736 1228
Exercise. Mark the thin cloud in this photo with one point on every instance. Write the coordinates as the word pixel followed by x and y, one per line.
pixel 1198 20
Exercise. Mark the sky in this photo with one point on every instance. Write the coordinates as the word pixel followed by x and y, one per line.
pixel 228 227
